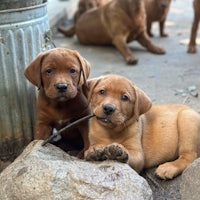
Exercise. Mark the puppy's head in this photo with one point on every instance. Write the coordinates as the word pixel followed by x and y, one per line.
pixel 116 101
pixel 163 4
pixel 60 72
pixel 85 5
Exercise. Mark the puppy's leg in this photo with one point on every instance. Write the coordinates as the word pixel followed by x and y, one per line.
pixel 42 131
pixel 83 128
pixel 67 32
pixel 149 29
pixel 192 43
pixel 120 43
pixel 189 135
pixel 145 41
pixel 162 25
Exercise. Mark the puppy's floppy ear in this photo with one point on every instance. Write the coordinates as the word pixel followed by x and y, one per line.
pixel 142 104
pixel 85 69
pixel 91 84
pixel 33 70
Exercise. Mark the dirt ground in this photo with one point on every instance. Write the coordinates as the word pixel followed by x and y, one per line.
pixel 169 78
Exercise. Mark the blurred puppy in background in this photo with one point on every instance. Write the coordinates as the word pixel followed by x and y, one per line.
pixel 193 35
pixel 156 11
pixel 83 6
pixel 116 23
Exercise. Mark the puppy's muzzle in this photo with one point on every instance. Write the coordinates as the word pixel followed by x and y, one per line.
pixel 61 87
pixel 108 109
pixel 163 6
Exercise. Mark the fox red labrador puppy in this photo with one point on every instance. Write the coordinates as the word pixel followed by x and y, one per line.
pixel 117 22
pixel 192 44
pixel 83 6
pixel 60 75
pixel 157 11
pixel 128 128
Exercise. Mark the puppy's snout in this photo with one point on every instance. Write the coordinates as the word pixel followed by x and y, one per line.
pixel 163 5
pixel 108 109
pixel 61 87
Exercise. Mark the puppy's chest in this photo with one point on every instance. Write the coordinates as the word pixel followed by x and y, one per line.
pixel 65 117
pixel 62 122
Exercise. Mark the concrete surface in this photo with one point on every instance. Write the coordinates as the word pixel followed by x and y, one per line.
pixel 165 78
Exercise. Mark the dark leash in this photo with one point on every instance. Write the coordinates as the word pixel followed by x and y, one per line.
pixel 56 134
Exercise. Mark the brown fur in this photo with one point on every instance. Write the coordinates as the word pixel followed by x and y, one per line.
pixel 194 28
pixel 127 128
pixel 157 11
pixel 117 23
pixel 83 6
pixel 60 74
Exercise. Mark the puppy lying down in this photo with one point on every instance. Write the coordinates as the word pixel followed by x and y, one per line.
pixel 128 128
pixel 117 23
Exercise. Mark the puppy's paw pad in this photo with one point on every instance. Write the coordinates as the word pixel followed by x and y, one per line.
pixel 116 152
pixel 95 154
pixel 167 171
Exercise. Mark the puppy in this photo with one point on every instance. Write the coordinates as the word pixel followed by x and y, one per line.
pixel 117 22
pixel 192 43
pixel 127 128
pixel 60 75
pixel 157 10
pixel 83 6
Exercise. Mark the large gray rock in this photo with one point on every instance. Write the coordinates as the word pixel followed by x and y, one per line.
pixel 190 184
pixel 42 173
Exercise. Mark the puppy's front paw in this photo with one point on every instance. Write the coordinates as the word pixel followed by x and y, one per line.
pixel 131 60
pixel 192 49
pixel 167 171
pixel 95 153
pixel 157 50
pixel 164 35
pixel 116 152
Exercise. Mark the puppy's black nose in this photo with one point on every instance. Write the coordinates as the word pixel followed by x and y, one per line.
pixel 61 87
pixel 108 109
pixel 163 5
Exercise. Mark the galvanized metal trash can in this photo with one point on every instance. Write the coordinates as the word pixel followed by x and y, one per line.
pixel 24 32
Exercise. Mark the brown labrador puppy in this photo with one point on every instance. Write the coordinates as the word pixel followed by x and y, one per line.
pixel 60 75
pixel 117 22
pixel 83 6
pixel 127 128
pixel 194 29
pixel 157 10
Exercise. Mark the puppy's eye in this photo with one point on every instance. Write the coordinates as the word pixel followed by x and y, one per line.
pixel 49 71
pixel 124 98
pixel 72 71
pixel 102 92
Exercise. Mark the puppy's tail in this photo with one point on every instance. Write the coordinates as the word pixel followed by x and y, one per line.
pixel 67 32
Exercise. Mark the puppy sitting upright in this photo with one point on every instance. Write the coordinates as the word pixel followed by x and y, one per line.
pixel 157 10
pixel 60 75
pixel 127 128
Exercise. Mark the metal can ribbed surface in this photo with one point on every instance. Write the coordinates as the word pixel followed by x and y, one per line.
pixel 24 33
